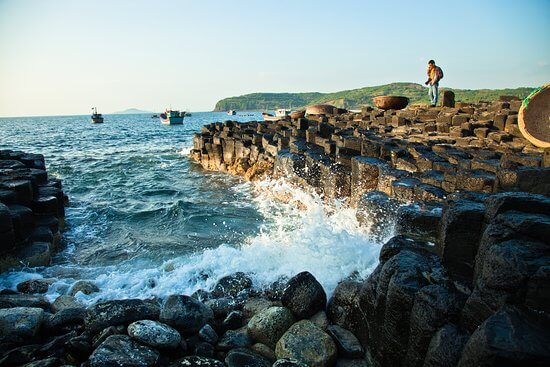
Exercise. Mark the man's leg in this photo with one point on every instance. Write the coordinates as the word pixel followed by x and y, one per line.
pixel 430 93
pixel 436 93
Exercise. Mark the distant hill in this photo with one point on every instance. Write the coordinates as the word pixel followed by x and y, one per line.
pixel 356 98
pixel 131 111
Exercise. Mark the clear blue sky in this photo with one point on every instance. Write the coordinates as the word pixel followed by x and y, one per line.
pixel 62 57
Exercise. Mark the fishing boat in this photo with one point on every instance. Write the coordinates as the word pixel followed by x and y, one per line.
pixel 271 117
pixel 231 112
pixel 172 117
pixel 97 118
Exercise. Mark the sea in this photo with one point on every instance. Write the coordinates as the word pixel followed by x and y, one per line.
pixel 144 220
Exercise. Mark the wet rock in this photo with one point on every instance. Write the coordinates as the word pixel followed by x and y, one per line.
pixel 275 290
pixel 20 323
pixel 66 318
pixel 460 233
pixel 48 362
pixel 221 307
pixel 387 298
pixel 233 321
pixel 304 296
pixel 348 345
pixel 307 343
pixel 446 347
pixel 418 221
pixel 208 334
pixel 65 301
pixel 435 305
pixel 34 286
pixel 234 339
pixel 121 350
pixel 245 358
pixel 511 337
pixel 37 254
pixel 320 319
pixel 111 313
pixel 196 361
pixel 84 286
pixel 254 305
pixel 107 332
pixel 154 334
pixel 264 351
pixel 79 347
pixel 269 325
pixel 23 300
pixel 204 349
pixel 289 362
pixel 185 313
pixel 232 285
pixel 19 356
pixel 343 307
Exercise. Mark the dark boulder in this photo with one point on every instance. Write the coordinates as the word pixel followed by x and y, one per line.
pixel 234 339
pixel 232 285
pixel 241 357
pixel 185 313
pixel 343 307
pixel 111 313
pixel 304 296
pixel 446 347
pixel 435 305
pixel 121 350
pixel 460 232
pixel 348 345
pixel 511 337
pixel 154 334
pixel 269 325
pixel 20 323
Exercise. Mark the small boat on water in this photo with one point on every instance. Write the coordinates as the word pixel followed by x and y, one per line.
pixel 172 117
pixel 282 114
pixel 97 118
pixel 231 112
pixel 271 117
pixel 155 116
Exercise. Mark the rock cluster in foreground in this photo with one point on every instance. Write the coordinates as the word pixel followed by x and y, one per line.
pixel 285 325
pixel 31 210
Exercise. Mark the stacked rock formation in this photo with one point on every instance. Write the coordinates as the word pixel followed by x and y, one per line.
pixel 465 280
pixel 31 210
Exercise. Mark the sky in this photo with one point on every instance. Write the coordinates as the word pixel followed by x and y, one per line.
pixel 61 57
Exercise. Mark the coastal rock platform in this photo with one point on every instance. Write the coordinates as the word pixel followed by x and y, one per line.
pixel 32 210
pixel 465 280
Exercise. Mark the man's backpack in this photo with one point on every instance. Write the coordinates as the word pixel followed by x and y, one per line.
pixel 439 72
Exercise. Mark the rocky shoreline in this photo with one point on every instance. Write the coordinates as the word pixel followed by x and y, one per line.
pixel 464 282
pixel 32 210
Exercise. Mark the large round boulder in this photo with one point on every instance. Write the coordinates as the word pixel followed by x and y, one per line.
pixel 304 296
pixel 185 313
pixel 121 350
pixel 154 334
pixel 307 343
pixel 270 324
pixel 84 286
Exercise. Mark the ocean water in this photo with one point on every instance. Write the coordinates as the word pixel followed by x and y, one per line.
pixel 145 220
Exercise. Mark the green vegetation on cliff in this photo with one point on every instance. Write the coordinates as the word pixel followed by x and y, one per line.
pixel 356 98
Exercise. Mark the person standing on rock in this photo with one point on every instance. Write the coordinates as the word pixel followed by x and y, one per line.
pixel 435 74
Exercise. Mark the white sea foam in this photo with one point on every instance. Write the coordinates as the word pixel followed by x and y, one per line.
pixel 324 240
